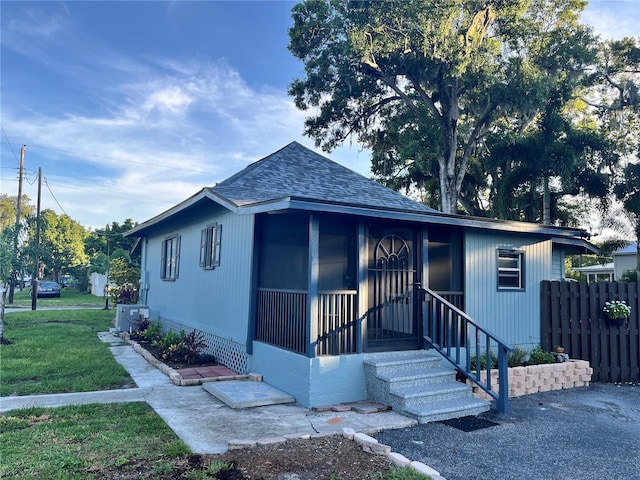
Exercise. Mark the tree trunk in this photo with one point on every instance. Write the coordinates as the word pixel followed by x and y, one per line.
pixel 3 293
pixel 546 202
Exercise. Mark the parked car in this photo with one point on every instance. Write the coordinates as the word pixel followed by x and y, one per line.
pixel 47 288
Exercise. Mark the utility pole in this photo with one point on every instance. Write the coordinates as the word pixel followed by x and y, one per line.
pixel 35 281
pixel 14 275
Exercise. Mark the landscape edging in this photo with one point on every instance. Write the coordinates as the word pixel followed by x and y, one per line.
pixel 530 379
pixel 173 374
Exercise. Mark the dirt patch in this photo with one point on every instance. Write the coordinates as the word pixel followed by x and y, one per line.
pixel 324 458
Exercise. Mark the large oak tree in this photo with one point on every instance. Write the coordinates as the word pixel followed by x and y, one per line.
pixel 422 82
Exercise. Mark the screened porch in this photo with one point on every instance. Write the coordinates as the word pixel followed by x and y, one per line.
pixel 331 285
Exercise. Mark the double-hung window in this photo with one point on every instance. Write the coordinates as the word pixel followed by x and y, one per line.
pixel 510 270
pixel 210 246
pixel 170 257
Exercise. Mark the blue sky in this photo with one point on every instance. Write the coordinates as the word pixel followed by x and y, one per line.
pixel 131 107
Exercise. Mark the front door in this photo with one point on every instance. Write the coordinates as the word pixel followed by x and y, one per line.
pixel 391 322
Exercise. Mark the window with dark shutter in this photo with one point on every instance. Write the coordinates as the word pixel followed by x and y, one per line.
pixel 210 239
pixel 170 258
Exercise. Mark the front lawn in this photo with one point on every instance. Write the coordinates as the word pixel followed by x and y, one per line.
pixel 56 351
pixel 78 442
pixel 68 297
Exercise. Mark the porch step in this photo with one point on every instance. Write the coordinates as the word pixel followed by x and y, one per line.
pixel 407 397
pixel 447 409
pixel 415 384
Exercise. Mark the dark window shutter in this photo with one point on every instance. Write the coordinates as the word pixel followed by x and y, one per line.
pixel 177 256
pixel 216 245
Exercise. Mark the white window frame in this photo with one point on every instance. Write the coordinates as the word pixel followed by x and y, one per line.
pixel 210 239
pixel 510 272
pixel 170 262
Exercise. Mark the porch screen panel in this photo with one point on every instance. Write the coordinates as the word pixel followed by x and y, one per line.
pixel 337 287
pixel 284 252
pixel 283 276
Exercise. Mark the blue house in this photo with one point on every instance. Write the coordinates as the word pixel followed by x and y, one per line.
pixel 302 270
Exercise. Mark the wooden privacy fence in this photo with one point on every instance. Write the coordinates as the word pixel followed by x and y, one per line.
pixel 571 316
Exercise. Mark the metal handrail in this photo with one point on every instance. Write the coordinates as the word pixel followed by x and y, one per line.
pixel 446 328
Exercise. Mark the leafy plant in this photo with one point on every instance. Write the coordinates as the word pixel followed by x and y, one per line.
pixel 192 345
pixel 153 332
pixel 537 356
pixel 483 361
pixel 405 473
pixel 617 309
pixel 629 276
pixel 170 343
pixel 517 357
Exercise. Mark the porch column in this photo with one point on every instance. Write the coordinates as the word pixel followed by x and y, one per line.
pixel 312 297
pixel 361 328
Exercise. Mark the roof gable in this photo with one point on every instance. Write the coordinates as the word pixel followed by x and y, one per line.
pixel 297 172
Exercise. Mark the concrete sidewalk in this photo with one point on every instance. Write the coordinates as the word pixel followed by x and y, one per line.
pixel 203 422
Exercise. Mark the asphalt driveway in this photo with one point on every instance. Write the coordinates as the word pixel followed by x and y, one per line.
pixel 582 434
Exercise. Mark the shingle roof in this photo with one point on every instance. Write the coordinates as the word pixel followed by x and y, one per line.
pixel 296 171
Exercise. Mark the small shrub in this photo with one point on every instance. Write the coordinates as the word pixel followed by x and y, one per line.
pixel 405 473
pixel 537 356
pixel 483 361
pixel 143 325
pixel 192 345
pixel 170 343
pixel 517 357
pixel 629 276
pixel 153 332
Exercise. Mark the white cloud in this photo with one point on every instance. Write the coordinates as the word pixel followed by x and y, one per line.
pixel 161 139
pixel 172 99
pixel 613 19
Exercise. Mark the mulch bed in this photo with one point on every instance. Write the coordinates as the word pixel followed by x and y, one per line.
pixel 175 363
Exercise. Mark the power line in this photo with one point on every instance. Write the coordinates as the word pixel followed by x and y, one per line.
pixel 9 143
pixel 54 197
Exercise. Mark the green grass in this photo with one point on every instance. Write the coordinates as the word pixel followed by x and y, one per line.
pixel 56 351
pixel 68 297
pixel 74 441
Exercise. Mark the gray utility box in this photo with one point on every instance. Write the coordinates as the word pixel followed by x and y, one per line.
pixel 129 317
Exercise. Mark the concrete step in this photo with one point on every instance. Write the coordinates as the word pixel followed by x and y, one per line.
pixel 398 361
pixel 418 376
pixel 402 398
pixel 435 411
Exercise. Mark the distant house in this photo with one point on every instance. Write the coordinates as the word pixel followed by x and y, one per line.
pixel 625 259
pixel 598 272
pixel 297 267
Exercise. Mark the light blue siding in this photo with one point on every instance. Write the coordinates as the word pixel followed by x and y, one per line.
pixel 214 301
pixel 557 267
pixel 514 316
pixel 314 382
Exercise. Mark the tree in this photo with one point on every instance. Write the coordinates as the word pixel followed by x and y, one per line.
pixel 613 90
pixel 61 242
pixel 531 171
pixel 125 274
pixel 108 239
pixel 422 83
pixel 8 209
pixel 628 192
